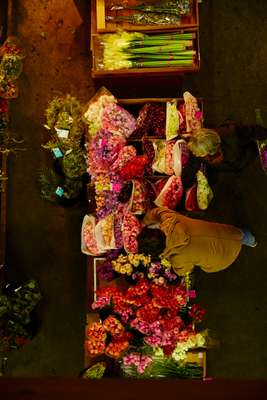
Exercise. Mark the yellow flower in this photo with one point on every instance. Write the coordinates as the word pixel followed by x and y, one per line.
pixel 130 257
pixel 136 263
pixel 165 263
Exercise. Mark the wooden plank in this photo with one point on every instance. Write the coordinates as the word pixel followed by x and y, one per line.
pixel 25 388
pixel 143 72
pixel 100 15
pixel 148 100
pixel 199 357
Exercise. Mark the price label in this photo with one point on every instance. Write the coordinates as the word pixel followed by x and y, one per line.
pixel 59 191
pixel 62 133
pixel 57 152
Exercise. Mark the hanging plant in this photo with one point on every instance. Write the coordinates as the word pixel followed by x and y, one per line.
pixel 11 66
pixel 48 182
pixel 63 191
pixel 72 189
pixel 74 164
pixel 64 119
pixel 17 304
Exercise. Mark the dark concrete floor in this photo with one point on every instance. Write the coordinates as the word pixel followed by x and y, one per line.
pixel 44 240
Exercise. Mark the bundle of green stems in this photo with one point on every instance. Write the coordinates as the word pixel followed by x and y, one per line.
pixel 148 50
pixel 146 19
pixel 176 7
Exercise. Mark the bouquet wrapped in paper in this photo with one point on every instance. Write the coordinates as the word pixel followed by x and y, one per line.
pixel 171 194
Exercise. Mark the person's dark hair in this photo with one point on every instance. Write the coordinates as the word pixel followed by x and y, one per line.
pixel 151 241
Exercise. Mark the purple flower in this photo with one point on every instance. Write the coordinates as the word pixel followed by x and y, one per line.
pixel 105 271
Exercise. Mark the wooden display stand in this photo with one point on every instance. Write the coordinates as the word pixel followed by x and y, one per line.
pixel 99 26
pixel 93 282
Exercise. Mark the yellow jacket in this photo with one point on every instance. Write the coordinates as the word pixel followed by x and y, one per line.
pixel 189 242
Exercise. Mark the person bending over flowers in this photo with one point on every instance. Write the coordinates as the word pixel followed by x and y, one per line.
pixel 188 242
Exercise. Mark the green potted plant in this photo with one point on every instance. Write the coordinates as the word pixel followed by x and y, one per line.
pixel 74 164
pixel 57 189
pixel 17 321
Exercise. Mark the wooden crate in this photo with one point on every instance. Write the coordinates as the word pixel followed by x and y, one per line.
pixel 199 357
pixel 100 10
pixel 99 27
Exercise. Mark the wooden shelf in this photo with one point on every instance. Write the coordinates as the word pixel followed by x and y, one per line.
pixel 100 27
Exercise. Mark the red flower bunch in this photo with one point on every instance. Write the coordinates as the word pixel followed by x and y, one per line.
pixel 134 168
pixel 197 313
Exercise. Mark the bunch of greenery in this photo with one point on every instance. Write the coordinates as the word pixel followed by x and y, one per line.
pixel 49 181
pixel 74 164
pixel 11 65
pixel 65 183
pixel 16 309
pixel 65 113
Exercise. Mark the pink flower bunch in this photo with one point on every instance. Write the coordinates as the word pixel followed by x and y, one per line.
pixel 118 222
pixel 131 229
pixel 171 193
pixel 140 361
pixel 141 326
pixel 102 151
pixel 138 198
pixel 89 238
pixel 101 302
pixel 117 120
pixel 169 157
pixel 163 334
pixel 125 314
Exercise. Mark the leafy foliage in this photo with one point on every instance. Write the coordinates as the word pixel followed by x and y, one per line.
pixel 16 309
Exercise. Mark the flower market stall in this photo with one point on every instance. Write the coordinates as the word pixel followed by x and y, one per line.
pixel 143 316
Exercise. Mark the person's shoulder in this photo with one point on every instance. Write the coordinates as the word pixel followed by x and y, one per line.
pixel 227 130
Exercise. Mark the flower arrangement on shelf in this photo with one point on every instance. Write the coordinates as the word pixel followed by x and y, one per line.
pixel 149 326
